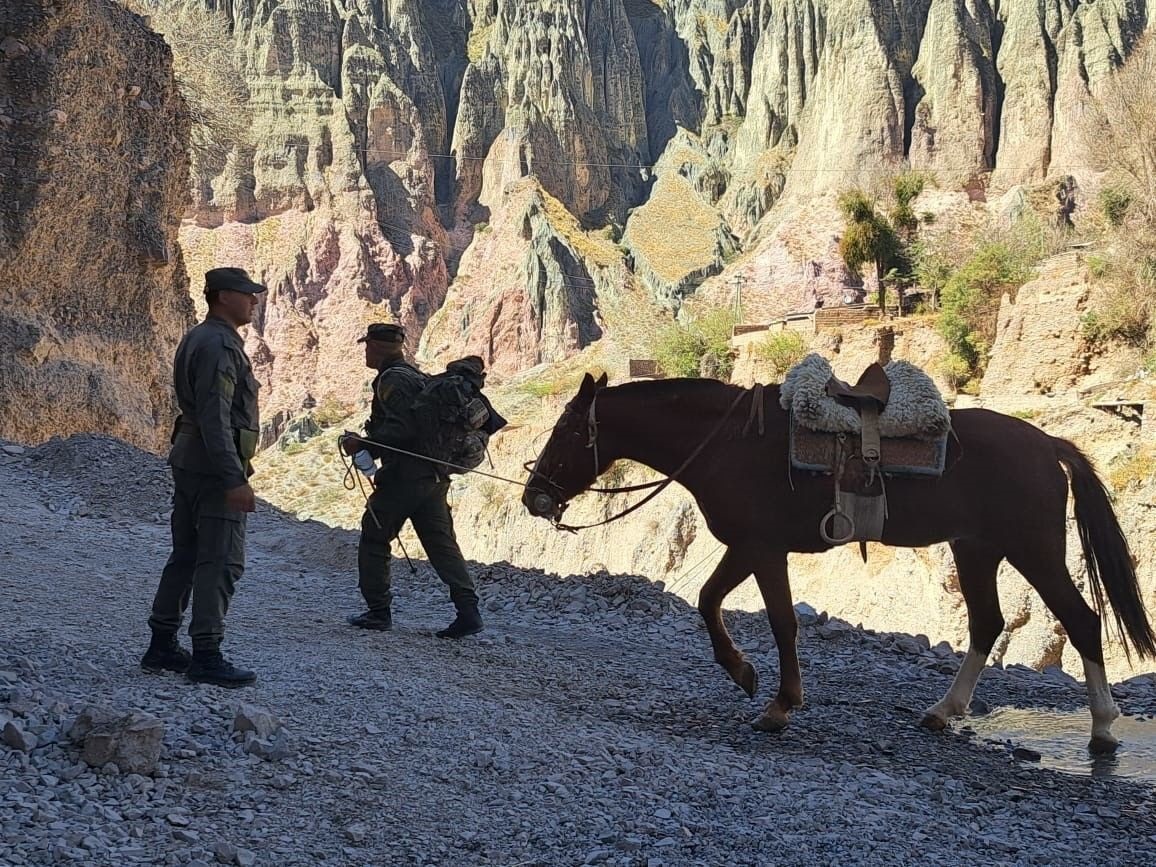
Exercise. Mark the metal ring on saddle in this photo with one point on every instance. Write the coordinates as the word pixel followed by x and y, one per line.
pixel 831 517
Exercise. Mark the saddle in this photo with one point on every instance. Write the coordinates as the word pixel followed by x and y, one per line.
pixel 868 397
pixel 891 422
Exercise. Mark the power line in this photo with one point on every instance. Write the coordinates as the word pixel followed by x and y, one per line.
pixel 882 171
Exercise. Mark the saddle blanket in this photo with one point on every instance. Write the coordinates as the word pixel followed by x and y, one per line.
pixel 915 407
pixel 913 426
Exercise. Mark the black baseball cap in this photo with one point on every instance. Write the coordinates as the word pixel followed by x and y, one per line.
pixel 233 279
pixel 387 332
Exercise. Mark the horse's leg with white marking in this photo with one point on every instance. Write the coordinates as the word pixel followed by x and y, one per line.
pixel 1103 706
pixel 775 585
pixel 977 565
pixel 728 574
pixel 1046 571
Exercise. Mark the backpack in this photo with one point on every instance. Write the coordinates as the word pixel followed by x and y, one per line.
pixel 454 421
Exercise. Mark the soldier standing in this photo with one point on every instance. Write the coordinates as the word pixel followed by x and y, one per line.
pixel 214 440
pixel 406 488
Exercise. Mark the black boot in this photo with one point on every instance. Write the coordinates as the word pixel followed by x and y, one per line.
pixel 208 666
pixel 165 654
pixel 382 621
pixel 468 622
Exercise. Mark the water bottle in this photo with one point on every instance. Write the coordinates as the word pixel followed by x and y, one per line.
pixel 363 460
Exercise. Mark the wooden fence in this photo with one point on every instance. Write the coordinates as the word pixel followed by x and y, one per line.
pixel 822 319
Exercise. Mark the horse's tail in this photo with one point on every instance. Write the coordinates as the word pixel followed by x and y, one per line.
pixel 1111 568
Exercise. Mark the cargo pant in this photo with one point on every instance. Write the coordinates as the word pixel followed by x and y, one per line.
pixel 207 561
pixel 421 501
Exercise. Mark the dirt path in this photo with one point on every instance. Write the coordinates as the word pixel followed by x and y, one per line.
pixel 588 724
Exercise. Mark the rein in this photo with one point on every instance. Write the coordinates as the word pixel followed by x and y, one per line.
pixel 661 484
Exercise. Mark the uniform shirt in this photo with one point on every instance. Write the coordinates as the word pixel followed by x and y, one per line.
pixel 217 432
pixel 391 418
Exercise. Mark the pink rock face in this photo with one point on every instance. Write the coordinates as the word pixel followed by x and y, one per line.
pixel 792 267
pixel 327 278
pixel 527 288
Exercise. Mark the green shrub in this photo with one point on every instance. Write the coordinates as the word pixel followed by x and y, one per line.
pixel 1099 266
pixel 906 187
pixel 1114 204
pixel 955 369
pixel 1150 361
pixel 782 351
pixel 1118 316
pixel 971 295
pixel 705 342
pixel 1133 468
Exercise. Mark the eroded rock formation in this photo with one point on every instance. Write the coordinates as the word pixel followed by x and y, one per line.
pixel 398 147
pixel 93 179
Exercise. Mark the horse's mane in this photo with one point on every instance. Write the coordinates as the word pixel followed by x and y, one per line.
pixel 657 389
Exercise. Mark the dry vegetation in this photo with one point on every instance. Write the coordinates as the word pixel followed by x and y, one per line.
pixel 207 73
pixel 591 246
pixel 1120 132
pixel 478 43
pixel 676 232
pixel 307 479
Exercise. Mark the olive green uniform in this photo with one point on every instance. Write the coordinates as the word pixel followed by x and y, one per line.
pixel 406 489
pixel 213 442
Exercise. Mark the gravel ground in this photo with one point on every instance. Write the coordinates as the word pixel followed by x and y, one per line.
pixel 587 725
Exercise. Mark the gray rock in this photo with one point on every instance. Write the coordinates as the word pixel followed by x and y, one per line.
pixel 251 718
pixel 15 736
pixel 133 744
pixel 274 750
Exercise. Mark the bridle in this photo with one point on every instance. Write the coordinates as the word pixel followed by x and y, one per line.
pixel 558 503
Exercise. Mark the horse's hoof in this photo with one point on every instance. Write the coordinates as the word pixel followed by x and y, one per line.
pixel 748 679
pixel 1103 745
pixel 772 720
pixel 933 722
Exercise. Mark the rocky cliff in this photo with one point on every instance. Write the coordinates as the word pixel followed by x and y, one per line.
pixel 396 145
pixel 94 178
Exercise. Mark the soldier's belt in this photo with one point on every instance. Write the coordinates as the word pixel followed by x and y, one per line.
pixel 245 440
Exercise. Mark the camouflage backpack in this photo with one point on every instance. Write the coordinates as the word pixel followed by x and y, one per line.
pixel 454 419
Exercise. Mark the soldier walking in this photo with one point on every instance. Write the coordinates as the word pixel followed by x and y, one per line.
pixel 406 488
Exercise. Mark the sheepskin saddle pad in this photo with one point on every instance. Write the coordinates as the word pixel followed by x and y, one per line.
pixel 914 407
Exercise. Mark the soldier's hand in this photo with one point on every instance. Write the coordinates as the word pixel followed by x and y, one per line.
pixel 350 443
pixel 240 499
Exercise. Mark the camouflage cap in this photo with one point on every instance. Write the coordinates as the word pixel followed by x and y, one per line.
pixel 387 332
pixel 233 279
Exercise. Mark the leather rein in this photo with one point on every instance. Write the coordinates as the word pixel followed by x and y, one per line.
pixel 756 414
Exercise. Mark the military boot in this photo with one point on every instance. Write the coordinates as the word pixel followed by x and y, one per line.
pixel 208 666
pixel 382 621
pixel 165 654
pixel 468 622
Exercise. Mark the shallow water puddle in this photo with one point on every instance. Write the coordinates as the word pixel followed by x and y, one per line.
pixel 1061 739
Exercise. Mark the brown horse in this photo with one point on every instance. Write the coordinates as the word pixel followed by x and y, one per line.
pixel 1003 495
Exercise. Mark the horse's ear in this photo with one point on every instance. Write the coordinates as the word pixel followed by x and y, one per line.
pixel 588 387
pixel 601 383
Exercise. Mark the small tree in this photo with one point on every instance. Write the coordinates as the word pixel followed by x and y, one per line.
pixel 782 351
pixel 971 297
pixel 868 239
